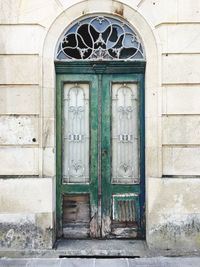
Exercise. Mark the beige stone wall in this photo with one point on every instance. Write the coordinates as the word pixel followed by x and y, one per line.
pixel 29 31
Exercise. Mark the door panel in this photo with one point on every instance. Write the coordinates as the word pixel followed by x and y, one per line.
pixel 76 216
pixel 100 155
pixel 121 171
pixel 77 156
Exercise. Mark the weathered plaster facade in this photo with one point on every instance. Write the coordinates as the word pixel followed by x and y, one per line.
pixel 29 33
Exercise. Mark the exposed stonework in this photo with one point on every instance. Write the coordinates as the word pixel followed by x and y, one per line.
pixel 24 232
pixel 178 232
pixel 24 236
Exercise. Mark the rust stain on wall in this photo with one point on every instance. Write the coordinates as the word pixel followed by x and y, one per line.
pixel 119 10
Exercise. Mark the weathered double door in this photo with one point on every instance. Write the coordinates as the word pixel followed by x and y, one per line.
pixel 100 155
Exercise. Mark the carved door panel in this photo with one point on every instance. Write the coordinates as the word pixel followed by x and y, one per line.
pixel 100 156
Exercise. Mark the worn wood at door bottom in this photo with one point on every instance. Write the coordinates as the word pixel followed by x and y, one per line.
pixel 76 231
pixel 124 230
pixel 76 216
pixel 77 222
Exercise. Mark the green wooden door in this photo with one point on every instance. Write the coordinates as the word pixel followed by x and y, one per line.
pixel 100 154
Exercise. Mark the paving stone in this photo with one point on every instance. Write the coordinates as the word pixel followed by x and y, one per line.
pixel 114 262
pixel 45 263
pixel 111 262
pixel 165 262
pixel 77 262
pixel 29 262
pixel 14 263
pixel 182 262
pixel 148 262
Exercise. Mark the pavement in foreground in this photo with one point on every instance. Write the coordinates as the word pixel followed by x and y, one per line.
pixel 97 262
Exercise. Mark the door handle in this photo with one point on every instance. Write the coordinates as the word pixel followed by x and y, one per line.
pixel 104 152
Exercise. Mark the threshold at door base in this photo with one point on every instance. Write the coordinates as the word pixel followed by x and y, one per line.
pixel 101 248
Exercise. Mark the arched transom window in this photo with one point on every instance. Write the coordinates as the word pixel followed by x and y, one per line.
pixel 100 38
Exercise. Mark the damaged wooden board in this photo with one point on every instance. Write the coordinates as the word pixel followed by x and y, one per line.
pixel 76 216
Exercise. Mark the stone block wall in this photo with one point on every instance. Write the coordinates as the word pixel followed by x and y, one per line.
pixel 29 32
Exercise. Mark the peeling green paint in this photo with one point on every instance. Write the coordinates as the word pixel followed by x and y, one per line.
pixel 99 76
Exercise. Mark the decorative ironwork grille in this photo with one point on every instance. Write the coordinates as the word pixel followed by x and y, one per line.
pixel 125 145
pixel 100 38
pixel 76 133
pixel 125 207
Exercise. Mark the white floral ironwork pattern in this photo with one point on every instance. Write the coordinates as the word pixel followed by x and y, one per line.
pixel 76 133
pixel 125 144
pixel 100 38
